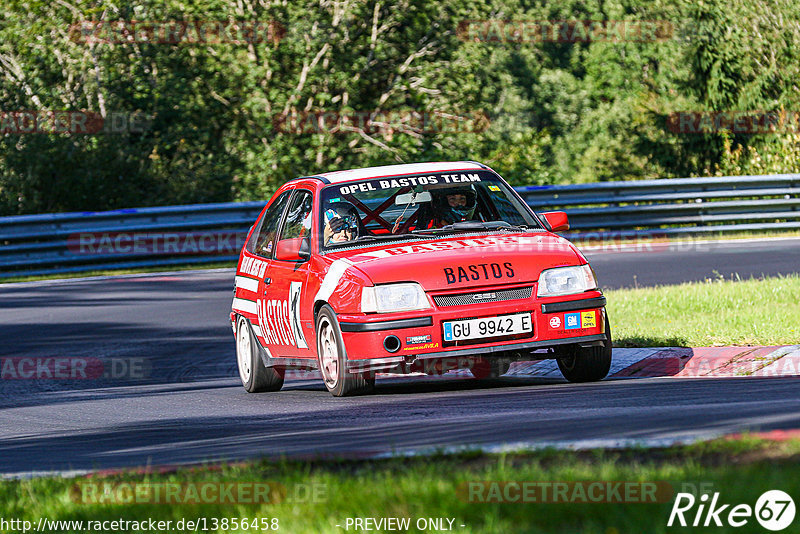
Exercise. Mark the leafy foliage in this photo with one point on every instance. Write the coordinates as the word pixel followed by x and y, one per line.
pixel 537 111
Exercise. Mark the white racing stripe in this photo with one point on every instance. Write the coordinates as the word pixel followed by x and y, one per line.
pixel 247 283
pixel 331 280
pixel 244 305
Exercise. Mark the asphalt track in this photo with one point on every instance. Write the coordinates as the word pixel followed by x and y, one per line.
pixel 172 395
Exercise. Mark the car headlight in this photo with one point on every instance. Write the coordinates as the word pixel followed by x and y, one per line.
pixel 566 281
pixel 394 298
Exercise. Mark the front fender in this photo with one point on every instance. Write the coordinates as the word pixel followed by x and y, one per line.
pixel 341 287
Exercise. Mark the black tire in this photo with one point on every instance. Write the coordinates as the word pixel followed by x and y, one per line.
pixel 586 364
pixel 255 376
pixel 491 367
pixel 332 359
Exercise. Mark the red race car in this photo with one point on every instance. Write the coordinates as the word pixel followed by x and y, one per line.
pixel 411 268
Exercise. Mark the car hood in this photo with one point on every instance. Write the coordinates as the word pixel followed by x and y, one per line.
pixel 461 261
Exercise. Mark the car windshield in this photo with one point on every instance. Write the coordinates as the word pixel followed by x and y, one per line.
pixel 408 207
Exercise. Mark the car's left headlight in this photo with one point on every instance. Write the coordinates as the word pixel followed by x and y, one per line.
pixel 566 281
pixel 394 298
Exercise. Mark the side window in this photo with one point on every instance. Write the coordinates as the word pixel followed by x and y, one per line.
pixel 298 217
pixel 263 238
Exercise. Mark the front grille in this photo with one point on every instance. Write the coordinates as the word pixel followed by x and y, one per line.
pixel 483 296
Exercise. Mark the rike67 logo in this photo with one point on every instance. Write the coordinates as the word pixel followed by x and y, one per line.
pixel 774 510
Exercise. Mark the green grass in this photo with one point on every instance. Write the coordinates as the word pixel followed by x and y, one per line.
pixel 715 312
pixel 435 487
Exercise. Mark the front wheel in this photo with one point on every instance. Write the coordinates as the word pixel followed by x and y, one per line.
pixel 255 376
pixel 333 358
pixel 586 364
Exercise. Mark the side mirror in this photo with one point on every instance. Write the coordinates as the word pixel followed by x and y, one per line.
pixel 557 220
pixel 295 249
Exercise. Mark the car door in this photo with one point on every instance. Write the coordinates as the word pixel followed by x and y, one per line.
pixel 257 257
pixel 284 314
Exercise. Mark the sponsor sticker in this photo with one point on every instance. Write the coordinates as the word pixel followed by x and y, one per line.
pixel 295 288
pixel 448 331
pixel 481 271
pixel 413 181
pixel 572 321
pixel 280 319
pixel 418 340
pixel 555 322
pixel 253 267
pixel 426 346
pixel 588 319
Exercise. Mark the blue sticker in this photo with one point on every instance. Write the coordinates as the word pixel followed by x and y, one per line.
pixel 448 332
pixel 572 320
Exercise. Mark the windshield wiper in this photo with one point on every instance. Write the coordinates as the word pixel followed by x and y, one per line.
pixel 522 227
pixel 380 237
pixel 463 226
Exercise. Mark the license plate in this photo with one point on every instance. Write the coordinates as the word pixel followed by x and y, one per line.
pixel 505 325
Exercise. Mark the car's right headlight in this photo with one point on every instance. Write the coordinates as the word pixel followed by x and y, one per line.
pixel 394 298
pixel 566 281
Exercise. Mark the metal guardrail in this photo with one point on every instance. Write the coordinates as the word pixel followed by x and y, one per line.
pixel 675 206
pixel 126 238
pixel 78 242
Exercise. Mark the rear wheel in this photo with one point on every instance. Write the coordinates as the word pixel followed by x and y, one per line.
pixel 255 376
pixel 586 364
pixel 333 359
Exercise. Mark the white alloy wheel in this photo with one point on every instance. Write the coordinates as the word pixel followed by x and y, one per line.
pixel 243 351
pixel 332 358
pixel 329 353
pixel 256 377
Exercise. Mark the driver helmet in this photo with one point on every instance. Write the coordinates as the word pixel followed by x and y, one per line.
pixel 455 204
pixel 342 223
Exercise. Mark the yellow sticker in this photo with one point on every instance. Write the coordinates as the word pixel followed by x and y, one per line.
pixel 494 188
pixel 588 319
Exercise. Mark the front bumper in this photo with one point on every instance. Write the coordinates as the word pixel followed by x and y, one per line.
pixel 396 362
pixel 556 321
